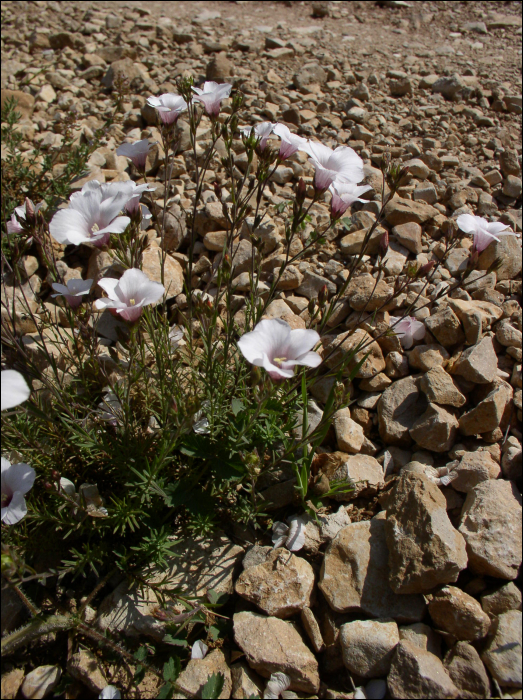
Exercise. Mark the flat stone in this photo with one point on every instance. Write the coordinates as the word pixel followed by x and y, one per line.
pixel 459 614
pixel 245 682
pixel 478 364
pixel 425 550
pixel 435 430
pixel 311 626
pixel 440 388
pixel 279 309
pixel 403 211
pixel 466 670
pixel 502 655
pixel 272 645
pixel 280 586
pixel 41 682
pixel 368 646
pixel 25 102
pixel 355 572
pixel 474 468
pixel 197 672
pixel 415 673
pixel 476 316
pixel 399 407
pixel 491 526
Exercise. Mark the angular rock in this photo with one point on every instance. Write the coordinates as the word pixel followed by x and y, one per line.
pixel 450 86
pixel 85 667
pixel 422 636
pixel 347 344
pixel 173 273
pixel 415 673
pixel 426 357
pixel 506 597
pixel 440 388
pixel 196 674
pixel 41 682
pixel 312 628
pixel 354 575
pixel 11 682
pixel 352 243
pixel 312 283
pixel 404 211
pixel 478 364
pixel 272 645
pixel 502 655
pixel 425 550
pixel 281 586
pixel 364 293
pixel 245 683
pixel 487 415
pixel 508 250
pixel 466 670
pixel 445 326
pixel 409 235
pixel 399 407
pixel 459 614
pixel 491 526
pixel 474 468
pixel 349 434
pixel 368 646
pixel 435 430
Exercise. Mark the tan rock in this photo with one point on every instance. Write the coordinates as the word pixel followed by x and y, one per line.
pixel 85 667
pixel 352 243
pixel 196 674
pixel 364 293
pixel 459 614
pixel 368 646
pixel 476 316
pixel 435 430
pixel 173 273
pixel 474 468
pixel 422 636
pixel 398 409
pixel 409 235
pixel 311 626
pixel 41 682
pixel 359 344
pixel 349 434
pixel 506 597
pixel 25 102
pixel 478 364
pixel 271 645
pixel 446 327
pixel 245 682
pixel 440 388
pixel 415 673
pixel 466 670
pixel 403 211
pixel 502 655
pixel 279 309
pixel 426 357
pixel 11 682
pixel 508 249
pixel 487 415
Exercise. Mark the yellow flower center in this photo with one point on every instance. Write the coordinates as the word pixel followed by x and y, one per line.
pixel 279 360
pixel 132 302
pixel 95 228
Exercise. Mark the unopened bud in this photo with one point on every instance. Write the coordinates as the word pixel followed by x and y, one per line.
pixel 385 161
pixel 301 191
pixel 47 485
pixel 425 269
pixel 323 295
pixel 256 377
pixel 29 211
pixel 55 476
pixel 310 306
pixel 227 261
pixel 384 242
pixel 217 190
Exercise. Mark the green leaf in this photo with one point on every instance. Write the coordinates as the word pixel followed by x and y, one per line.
pixel 141 653
pixel 172 669
pixel 237 406
pixel 216 598
pixel 214 632
pixel 347 222
pixel 169 639
pixel 213 687
pixel 165 691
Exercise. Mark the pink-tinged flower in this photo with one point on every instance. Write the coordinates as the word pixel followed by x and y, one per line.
pixel 291 536
pixel 128 295
pixel 137 152
pixel 339 165
pixel 93 214
pixel 483 231
pixel 17 480
pixel 407 329
pixel 14 226
pixel 169 106
pixel 199 650
pixel 110 692
pixel 290 143
pixel 73 291
pixel 262 132
pixel 344 194
pixel 14 389
pixel 278 349
pixel 146 217
pixel 211 96
pixel 277 686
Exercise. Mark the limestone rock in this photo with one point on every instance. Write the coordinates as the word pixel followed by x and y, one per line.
pixel 440 388
pixel 502 655
pixel 346 343
pixel 474 468
pixel 311 626
pixel 364 293
pixel 422 636
pixel 491 526
pixel 508 249
pixel 466 670
pixel 281 586
pixel 479 363
pixel 409 235
pixel 196 674
pixel 11 682
pixel 245 682
pixel 426 357
pixel 349 434
pixel 425 550
pixel 435 430
pixel 368 646
pixel 85 667
pixel 445 326
pixel 173 273
pixel 506 597
pixel 476 316
pixel 313 283
pixel 363 471
pixel 487 415
pixel 415 673
pixel 271 645
pixel 399 407
pixel 41 682
pixel 459 614
pixel 404 211
pixel 355 572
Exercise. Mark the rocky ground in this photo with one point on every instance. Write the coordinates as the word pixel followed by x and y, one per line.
pixel 408 580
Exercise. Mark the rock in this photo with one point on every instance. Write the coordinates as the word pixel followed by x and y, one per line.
pixel 349 434
pixel 346 344
pixel 478 364
pixel 399 407
pixel 449 87
pixel 24 102
pixel 422 636
pixel 474 468
pixel 11 682
pixel 440 388
pixel 400 87
pixel 136 73
pixel 506 597
pixel 272 645
pixel 465 668
pixel 312 283
pixel 85 667
pixel 415 673
pixel 459 614
pixel 508 250
pixel 508 335
pixel 488 413
pixel 491 526
pixel 354 575
pixel 41 682
pixel 309 74
pixel 281 586
pixel 175 229
pixel 196 674
pixel 363 471
pixel 512 186
pixel 425 550
pixel 409 235
pixel 219 68
pixel 364 293
pixel 279 309
pixel 368 646
pixel 502 655
pixel 352 243
pixel 435 430
pixel 445 326
pixel 198 565
pixel 403 211
pixel 331 524
pixel 425 357
pixel 173 273
pixel 511 462
pixel 476 317
pixel 395 258
pixel 245 683
pixel 312 628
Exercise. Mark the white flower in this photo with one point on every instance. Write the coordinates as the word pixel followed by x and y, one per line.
pixel 199 650
pixel 277 686
pixel 291 536
pixel 128 295
pixel 110 692
pixel 146 217
pixel 211 96
pixel 175 335
pixel 278 349
pixel 344 194
pixel 290 143
pixel 67 486
pixel 169 106
pixel 339 165
pixel 261 131
pixel 14 389
pixel 137 152
pixel 407 329
pixel 17 479
pixel 14 226
pixel 483 231
pixel 130 189
pixel 73 291
pixel 92 214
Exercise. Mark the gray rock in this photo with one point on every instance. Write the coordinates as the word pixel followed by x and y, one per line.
pixel 196 674
pixel 449 87
pixel 508 250
pixel 488 413
pixel 502 655
pixel 445 326
pixel 368 646
pixel 440 388
pixel 478 364
pixel 349 434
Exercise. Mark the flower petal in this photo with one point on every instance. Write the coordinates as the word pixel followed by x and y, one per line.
pixel 19 477
pixel 469 223
pixel 199 650
pixel 296 536
pixel 108 284
pixel 14 389
pixel 16 510
pixel 69 226
pixel 301 341
pixel 496 227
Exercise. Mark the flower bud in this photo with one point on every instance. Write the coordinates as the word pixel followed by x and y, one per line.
pixel 217 190
pixel 55 476
pixel 47 485
pixel 301 191
pixel 323 295
pixel 384 243
pixel 311 305
pixel 425 269
pixel 29 211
